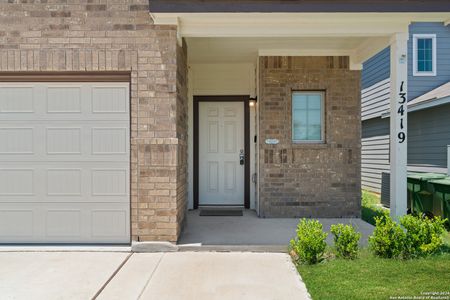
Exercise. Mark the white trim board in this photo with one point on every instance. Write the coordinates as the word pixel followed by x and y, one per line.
pixel 434 54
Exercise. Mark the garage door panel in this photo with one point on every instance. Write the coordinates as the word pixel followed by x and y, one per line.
pixel 64 141
pixel 64 163
pixel 109 140
pixel 65 101
pixel 16 224
pixel 64 223
pixel 16 140
pixel 65 182
pixel 17 182
pixel 17 99
pixel 109 100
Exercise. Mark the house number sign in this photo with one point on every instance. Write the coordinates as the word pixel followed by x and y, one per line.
pixel 272 141
pixel 401 112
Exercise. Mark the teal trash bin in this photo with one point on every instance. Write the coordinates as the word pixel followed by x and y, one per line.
pixel 421 191
pixel 442 187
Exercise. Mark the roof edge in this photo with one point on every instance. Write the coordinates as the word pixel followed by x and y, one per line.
pixel 312 6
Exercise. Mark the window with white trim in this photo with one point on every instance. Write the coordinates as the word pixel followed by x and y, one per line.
pixel 308 117
pixel 424 55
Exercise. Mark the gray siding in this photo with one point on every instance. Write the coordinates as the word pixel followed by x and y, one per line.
pixel 377 67
pixel 419 85
pixel 428 137
pixel 375 99
pixel 428 130
pixel 374 153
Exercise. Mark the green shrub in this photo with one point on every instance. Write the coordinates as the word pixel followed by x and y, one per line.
pixel 345 240
pixel 423 235
pixel 387 239
pixel 371 208
pixel 309 244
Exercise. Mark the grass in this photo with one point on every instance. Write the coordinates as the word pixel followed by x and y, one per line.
pixel 369 277
pixel 370 207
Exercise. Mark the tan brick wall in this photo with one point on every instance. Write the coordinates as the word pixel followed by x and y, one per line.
pixel 182 135
pixel 310 180
pixel 116 35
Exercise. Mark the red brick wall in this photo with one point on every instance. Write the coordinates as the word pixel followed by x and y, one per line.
pixel 310 180
pixel 113 35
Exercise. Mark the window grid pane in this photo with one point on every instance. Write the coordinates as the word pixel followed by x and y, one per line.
pixel 307 116
pixel 425 55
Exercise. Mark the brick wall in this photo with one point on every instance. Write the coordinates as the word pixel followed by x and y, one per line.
pixel 303 180
pixel 182 135
pixel 113 35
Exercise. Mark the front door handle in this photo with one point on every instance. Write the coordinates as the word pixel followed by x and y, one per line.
pixel 241 158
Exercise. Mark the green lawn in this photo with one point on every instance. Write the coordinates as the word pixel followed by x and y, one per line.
pixel 370 207
pixel 369 277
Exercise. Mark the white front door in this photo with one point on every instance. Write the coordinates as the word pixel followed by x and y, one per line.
pixel 221 143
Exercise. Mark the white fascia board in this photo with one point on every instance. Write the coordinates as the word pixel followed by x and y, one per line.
pixel 292 24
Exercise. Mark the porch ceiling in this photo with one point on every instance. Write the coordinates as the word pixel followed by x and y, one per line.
pixel 242 36
pixel 246 50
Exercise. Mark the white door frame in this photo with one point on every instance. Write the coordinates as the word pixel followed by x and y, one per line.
pixel 232 98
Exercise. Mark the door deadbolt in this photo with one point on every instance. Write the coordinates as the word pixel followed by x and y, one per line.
pixel 241 158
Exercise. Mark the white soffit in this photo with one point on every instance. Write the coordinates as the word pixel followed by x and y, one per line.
pixel 238 50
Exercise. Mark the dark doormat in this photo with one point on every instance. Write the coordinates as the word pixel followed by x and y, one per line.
pixel 210 212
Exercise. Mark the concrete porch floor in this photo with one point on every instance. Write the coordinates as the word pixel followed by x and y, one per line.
pixel 268 234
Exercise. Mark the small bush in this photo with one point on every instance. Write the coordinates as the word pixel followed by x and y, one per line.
pixel 309 245
pixel 371 208
pixel 423 235
pixel 345 240
pixel 387 239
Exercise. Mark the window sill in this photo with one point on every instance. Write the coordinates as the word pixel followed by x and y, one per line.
pixel 424 74
pixel 310 145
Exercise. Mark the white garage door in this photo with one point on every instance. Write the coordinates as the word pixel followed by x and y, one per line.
pixel 64 163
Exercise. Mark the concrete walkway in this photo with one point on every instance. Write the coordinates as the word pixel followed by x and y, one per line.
pixel 206 275
pixel 250 230
pixel 177 275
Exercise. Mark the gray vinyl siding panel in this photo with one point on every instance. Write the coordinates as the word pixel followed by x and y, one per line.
pixel 428 130
pixel 419 85
pixel 376 68
pixel 428 137
pixel 374 153
pixel 375 100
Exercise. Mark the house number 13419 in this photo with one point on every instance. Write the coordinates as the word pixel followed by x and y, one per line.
pixel 401 111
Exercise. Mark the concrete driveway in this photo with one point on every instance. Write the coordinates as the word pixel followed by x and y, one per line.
pixel 55 275
pixel 177 275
